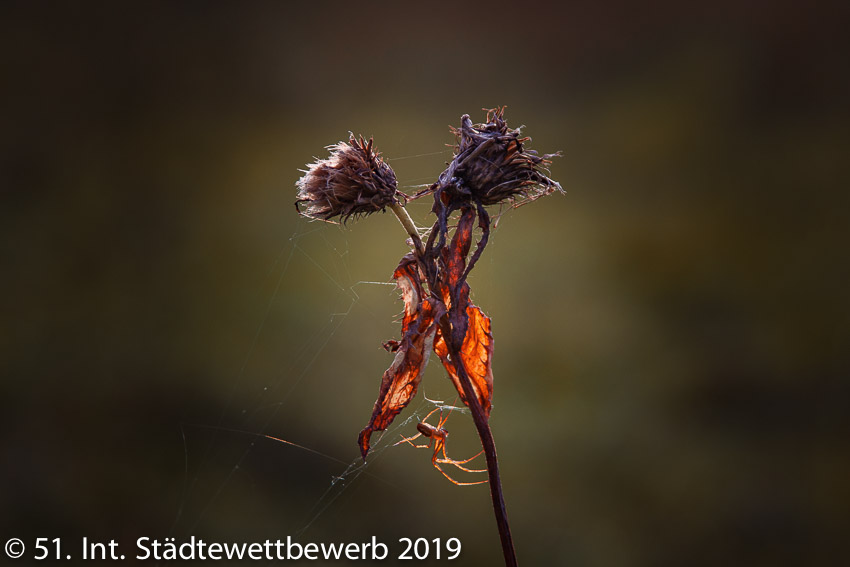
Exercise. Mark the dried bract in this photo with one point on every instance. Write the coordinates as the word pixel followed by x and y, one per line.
pixel 353 180
pixel 491 165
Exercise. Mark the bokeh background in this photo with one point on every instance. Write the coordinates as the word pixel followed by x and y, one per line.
pixel 671 357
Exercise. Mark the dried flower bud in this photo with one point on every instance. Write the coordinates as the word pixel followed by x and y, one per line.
pixel 491 164
pixel 353 180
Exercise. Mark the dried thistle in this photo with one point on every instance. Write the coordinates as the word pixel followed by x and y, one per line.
pixel 353 180
pixel 491 165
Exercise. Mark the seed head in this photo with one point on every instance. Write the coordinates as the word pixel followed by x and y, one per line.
pixel 353 180
pixel 492 165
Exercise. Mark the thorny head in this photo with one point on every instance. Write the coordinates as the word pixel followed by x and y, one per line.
pixel 353 180
pixel 491 165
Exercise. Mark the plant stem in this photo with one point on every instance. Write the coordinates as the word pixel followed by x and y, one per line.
pixel 480 419
pixel 488 443
pixel 408 224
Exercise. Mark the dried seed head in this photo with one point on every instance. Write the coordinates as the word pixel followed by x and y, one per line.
pixel 491 164
pixel 353 180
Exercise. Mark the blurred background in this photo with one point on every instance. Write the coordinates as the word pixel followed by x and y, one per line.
pixel 671 361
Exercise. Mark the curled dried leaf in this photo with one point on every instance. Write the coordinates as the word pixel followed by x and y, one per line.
pixel 401 380
pixel 476 356
pixel 470 327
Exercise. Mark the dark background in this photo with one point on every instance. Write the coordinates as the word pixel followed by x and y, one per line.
pixel 671 360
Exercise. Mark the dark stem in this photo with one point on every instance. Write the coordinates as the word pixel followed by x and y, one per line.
pixel 427 256
pixel 454 343
pixel 487 442
pixel 484 224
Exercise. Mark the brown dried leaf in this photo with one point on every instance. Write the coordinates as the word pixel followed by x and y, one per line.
pixel 453 289
pixel 454 256
pixel 470 326
pixel 401 380
pixel 476 355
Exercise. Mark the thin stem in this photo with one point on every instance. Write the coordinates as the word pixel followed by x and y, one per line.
pixel 479 418
pixel 484 224
pixel 408 224
pixel 488 443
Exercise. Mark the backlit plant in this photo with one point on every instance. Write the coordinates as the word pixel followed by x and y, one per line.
pixel 490 166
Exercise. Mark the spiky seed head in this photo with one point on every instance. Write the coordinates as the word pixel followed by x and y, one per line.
pixel 353 180
pixel 492 164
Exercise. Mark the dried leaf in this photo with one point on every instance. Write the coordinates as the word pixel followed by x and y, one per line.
pixel 470 326
pixel 476 355
pixel 454 256
pixel 453 289
pixel 401 380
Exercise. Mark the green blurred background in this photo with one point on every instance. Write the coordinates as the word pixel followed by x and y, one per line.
pixel 671 361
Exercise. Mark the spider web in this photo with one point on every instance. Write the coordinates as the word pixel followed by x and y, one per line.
pixel 330 258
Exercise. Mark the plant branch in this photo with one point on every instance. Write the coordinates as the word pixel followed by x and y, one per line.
pixel 454 344
pixel 404 218
pixel 482 425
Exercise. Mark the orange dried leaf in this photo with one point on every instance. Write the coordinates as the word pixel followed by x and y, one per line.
pixel 454 256
pixel 401 380
pixel 476 355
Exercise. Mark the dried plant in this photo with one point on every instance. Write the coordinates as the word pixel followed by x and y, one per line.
pixel 353 180
pixel 490 166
